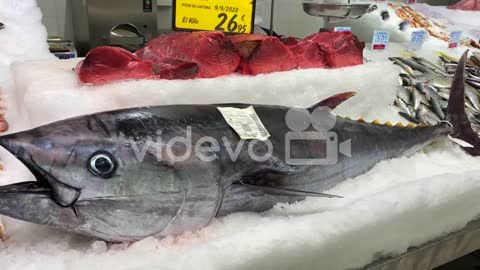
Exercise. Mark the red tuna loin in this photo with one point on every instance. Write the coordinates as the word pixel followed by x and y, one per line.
pixel 466 5
pixel 171 69
pixel 309 55
pixel 212 52
pixel 263 54
pixel 332 49
pixel 107 64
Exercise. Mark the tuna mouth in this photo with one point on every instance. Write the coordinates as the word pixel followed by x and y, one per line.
pixel 22 188
pixel 20 147
pixel 34 202
pixel 45 201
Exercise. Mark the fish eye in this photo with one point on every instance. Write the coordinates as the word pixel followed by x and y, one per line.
pixel 102 164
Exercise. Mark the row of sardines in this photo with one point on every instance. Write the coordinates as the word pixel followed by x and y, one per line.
pixel 423 95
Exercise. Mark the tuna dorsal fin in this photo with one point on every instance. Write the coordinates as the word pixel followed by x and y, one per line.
pixel 289 192
pixel 456 110
pixel 333 101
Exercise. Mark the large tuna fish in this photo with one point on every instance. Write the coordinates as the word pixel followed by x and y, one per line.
pixel 129 174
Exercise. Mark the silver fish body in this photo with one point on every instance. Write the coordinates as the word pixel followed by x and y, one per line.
pixel 157 194
pixel 157 171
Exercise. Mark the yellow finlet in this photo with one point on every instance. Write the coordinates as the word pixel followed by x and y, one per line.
pixel 420 125
pixel 446 56
pixel 399 125
pixel 348 118
pixel 410 125
pixel 388 123
pixel 376 122
pixel 406 53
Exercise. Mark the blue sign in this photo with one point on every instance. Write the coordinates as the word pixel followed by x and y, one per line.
pixel 417 39
pixel 380 40
pixel 342 29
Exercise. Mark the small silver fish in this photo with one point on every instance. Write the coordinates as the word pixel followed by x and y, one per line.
pixel 404 94
pixel 472 96
pixel 426 116
pixel 404 67
pixel 401 104
pixel 469 106
pixel 444 94
pixel 443 104
pixel 437 108
pixel 436 68
pixel 414 65
pixel 431 92
pixel 416 98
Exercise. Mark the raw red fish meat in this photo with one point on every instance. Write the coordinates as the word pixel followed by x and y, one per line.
pixel 185 55
pixel 213 53
pixel 174 69
pixel 107 64
pixel 329 49
pixel 262 54
pixel 309 54
pixel 467 5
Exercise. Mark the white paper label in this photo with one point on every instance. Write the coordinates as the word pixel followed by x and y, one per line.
pixel 245 122
pixel 380 40
pixel 455 37
pixel 342 29
pixel 417 39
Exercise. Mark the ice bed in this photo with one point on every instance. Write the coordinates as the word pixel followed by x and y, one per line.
pixel 401 211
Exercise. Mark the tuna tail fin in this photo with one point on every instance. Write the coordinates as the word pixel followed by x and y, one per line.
pixel 333 101
pixel 456 110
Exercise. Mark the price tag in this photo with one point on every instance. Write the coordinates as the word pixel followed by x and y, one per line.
pixel 455 37
pixel 221 15
pixel 245 122
pixel 342 29
pixel 417 39
pixel 380 40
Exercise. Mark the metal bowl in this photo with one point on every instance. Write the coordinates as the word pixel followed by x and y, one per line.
pixel 344 11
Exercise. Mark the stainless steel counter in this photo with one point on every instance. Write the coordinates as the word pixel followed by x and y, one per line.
pixel 434 253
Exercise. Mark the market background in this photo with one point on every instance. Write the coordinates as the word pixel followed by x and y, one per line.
pixel 285 237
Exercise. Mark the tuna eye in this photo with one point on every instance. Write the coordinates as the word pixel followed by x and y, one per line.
pixel 101 164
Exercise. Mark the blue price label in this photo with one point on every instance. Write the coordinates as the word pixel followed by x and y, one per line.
pixel 455 37
pixel 417 39
pixel 342 29
pixel 380 40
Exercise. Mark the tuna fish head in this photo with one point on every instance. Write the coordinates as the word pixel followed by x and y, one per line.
pixel 90 181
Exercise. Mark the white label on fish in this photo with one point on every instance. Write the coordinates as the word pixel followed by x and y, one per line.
pixel 245 122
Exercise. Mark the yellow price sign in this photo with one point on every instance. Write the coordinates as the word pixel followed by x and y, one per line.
pixel 230 16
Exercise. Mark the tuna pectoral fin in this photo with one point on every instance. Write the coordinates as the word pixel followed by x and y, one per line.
pixel 456 110
pixel 288 192
pixel 333 101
